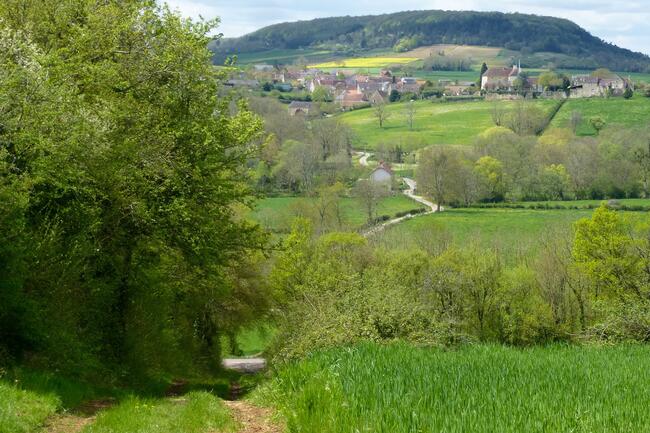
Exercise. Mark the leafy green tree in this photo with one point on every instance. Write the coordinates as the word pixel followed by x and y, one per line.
pixel 555 182
pixel 122 170
pixel 381 113
pixel 321 94
pixel 491 178
pixel 605 251
pixel 598 123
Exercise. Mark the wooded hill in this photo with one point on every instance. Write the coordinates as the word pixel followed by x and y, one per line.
pixel 527 34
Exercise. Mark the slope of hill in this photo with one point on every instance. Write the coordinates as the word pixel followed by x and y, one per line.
pixel 573 45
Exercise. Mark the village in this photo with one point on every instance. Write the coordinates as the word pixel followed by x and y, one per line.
pixel 348 89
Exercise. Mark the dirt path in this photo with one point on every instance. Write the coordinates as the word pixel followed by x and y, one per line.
pixel 74 422
pixel 253 419
pixel 411 194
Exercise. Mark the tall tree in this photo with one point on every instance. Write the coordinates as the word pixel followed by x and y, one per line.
pixel 381 113
pixel 134 168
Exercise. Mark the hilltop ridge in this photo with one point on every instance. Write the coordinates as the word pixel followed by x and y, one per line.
pixel 573 46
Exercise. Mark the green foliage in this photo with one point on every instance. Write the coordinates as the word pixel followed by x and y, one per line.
pixel 119 174
pixel 200 412
pixel 609 254
pixel 399 388
pixel 406 44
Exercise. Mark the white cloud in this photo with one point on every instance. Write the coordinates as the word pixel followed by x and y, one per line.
pixel 624 25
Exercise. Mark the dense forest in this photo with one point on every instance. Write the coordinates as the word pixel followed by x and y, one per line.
pixel 519 32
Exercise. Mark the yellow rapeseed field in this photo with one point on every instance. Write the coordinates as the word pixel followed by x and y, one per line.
pixel 366 62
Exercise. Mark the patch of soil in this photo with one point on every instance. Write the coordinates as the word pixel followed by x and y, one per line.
pixel 253 419
pixel 66 423
pixel 74 422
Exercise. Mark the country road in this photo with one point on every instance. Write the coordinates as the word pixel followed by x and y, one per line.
pixel 363 161
pixel 410 192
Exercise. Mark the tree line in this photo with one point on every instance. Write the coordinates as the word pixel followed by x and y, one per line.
pixel 590 283
pixel 506 166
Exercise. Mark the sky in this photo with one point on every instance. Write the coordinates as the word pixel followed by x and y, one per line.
pixel 625 23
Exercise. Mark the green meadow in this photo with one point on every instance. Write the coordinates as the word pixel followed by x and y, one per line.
pixel 483 389
pixel 516 233
pixel 276 213
pixel 615 111
pixel 436 123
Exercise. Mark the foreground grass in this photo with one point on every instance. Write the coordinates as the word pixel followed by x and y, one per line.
pixel 452 123
pixel 400 389
pixel 198 412
pixel 23 411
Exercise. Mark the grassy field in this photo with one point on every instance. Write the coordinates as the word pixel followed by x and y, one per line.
pixel 491 389
pixel 516 233
pixel 22 411
pixel 584 203
pixel 276 213
pixel 615 111
pixel 200 412
pixel 451 123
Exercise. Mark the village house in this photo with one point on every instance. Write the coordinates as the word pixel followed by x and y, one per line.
pixel 500 78
pixel 349 99
pixel 407 85
pixel 377 97
pixel 587 86
pixel 300 108
pixel 383 175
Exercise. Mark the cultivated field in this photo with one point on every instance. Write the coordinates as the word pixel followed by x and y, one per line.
pixel 454 123
pixel 366 62
pixel 495 389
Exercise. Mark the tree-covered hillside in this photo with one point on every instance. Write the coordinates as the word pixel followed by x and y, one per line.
pixel 405 30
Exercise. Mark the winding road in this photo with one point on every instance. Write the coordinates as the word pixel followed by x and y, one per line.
pixel 410 192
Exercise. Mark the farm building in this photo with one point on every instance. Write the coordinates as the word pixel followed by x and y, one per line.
pixel 350 99
pixel 383 174
pixel 587 86
pixel 500 78
pixel 300 108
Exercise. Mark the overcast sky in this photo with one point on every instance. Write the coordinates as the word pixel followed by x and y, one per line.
pixel 625 23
